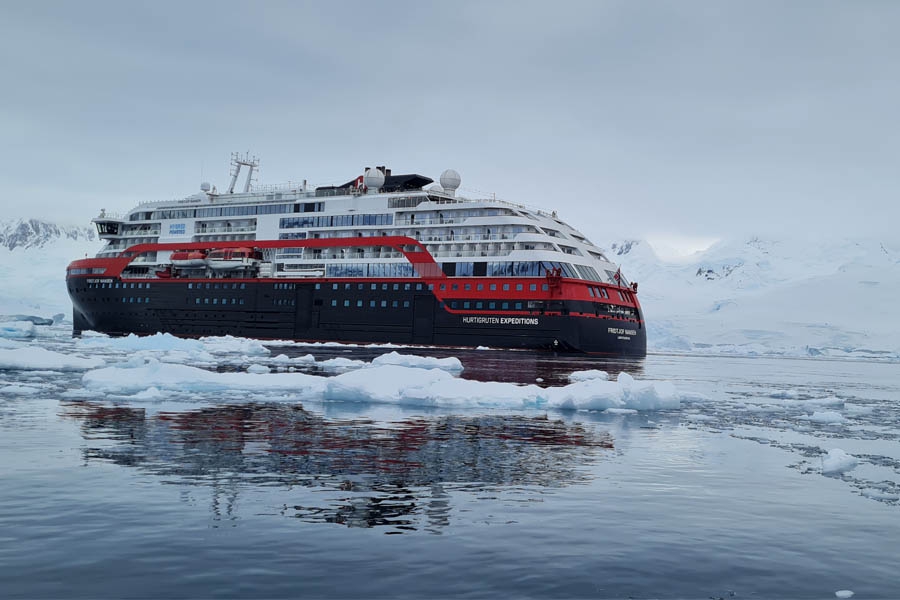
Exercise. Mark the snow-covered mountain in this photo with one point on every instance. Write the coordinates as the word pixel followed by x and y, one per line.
pixel 34 233
pixel 789 296
pixel 33 258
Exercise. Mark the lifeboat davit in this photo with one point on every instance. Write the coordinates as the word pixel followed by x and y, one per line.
pixel 233 258
pixel 194 258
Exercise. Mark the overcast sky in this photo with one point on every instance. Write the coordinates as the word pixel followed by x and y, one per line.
pixel 681 120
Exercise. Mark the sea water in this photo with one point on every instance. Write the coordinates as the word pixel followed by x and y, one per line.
pixel 769 477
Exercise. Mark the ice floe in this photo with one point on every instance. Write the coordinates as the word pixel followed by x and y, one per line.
pixel 588 375
pixel 837 461
pixel 36 358
pixel 386 383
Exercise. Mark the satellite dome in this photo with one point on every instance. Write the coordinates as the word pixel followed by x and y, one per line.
pixel 374 179
pixel 450 181
pixel 205 187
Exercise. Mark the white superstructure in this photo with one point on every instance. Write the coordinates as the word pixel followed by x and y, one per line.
pixel 480 237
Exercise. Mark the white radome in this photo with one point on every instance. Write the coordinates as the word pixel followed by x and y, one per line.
pixel 373 179
pixel 450 180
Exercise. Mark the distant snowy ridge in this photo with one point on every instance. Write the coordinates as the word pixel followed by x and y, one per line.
pixel 33 258
pixel 787 297
pixel 35 233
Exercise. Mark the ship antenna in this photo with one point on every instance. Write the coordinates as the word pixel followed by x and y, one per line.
pixel 238 161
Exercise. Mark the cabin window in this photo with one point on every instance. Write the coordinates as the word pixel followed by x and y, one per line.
pixel 394 304
pixel 492 305
pixel 519 287
pixel 334 286
pixel 533 287
pixel 505 287
pixel 479 305
pixel 334 302
pixel 190 286
pixel 384 304
pixel 318 286
pixel 467 287
pixel 518 306
pixel 505 306
pixel 493 287
pixel 359 304
pixel 467 305
pixel 591 291
pixel 406 304
pixel 371 304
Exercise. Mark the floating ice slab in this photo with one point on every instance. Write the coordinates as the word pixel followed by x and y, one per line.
pixel 588 375
pixel 17 330
pixel 451 363
pixel 35 358
pixel 837 461
pixel 391 384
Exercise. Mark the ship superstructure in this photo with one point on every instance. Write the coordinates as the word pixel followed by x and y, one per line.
pixel 482 263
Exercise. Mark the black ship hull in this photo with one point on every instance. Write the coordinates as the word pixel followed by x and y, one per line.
pixel 382 311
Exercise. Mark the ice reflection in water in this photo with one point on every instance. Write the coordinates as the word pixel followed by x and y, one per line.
pixel 374 474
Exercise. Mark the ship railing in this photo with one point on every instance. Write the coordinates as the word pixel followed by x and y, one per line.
pixel 109 216
pixel 469 253
pixel 216 230
pixel 414 222
pixel 467 238
pixel 350 256
pixel 140 232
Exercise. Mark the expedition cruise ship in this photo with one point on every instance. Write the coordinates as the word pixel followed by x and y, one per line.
pixel 381 258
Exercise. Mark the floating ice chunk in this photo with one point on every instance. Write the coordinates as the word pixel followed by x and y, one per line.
pixel 482 348
pixel 588 375
pixel 17 330
pixel 151 393
pixel 258 369
pixel 341 364
pixel 844 594
pixel 34 358
pixel 19 390
pixel 382 384
pixel 785 394
pixel 837 461
pixel 451 363
pixel 184 378
pixel 825 416
pixel 134 343
pixel 858 409
pixel 234 345
pixel 5 343
pixel 625 392
pixel 621 411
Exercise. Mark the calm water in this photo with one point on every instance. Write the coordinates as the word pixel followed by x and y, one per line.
pixel 724 497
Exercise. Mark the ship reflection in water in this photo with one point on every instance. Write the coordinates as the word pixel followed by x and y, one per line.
pixel 399 474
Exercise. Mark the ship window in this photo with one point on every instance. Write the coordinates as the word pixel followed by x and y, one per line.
pixel 454 286
pixel 453 304
pixel 216 286
pixel 406 304
pixel 359 304
pixel 396 286
pixel 519 287
pixel 621 297
pixel 479 305
pixel 384 286
pixel 518 306
pixel 371 304
pixel 467 305
pixel 242 300
pixel 206 301
pixel 374 286
pixel 383 303
pixel 505 306
pixel 318 286
pixel 334 302
pixel 533 287
pixel 334 286
pixel 493 287
pixel 146 300
pixel 132 286
pixel 430 287
pixel 224 300
pixel 394 304
pixel 591 291
pixel 468 286
pixel 197 301
pixel 443 286
pixel 131 300
pixel 117 285
pixel 406 287
pixel 346 286
pixel 346 303
pixel 359 286
pixel 215 300
pixel 207 286
pixel 479 287
pixel 492 305
pixel 505 287
pixel 234 300
pixel 190 286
